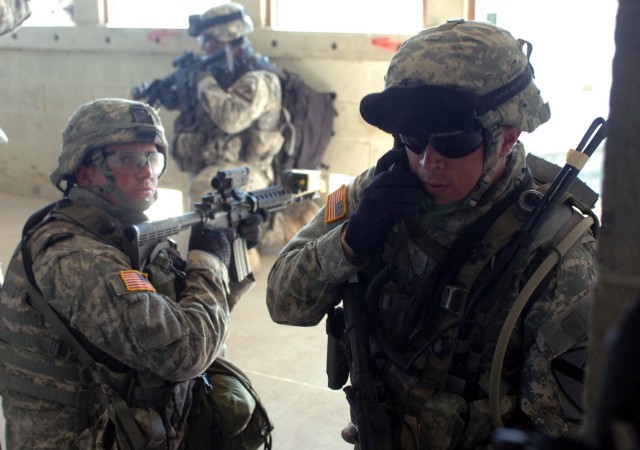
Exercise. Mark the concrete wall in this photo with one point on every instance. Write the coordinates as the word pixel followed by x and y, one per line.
pixel 47 72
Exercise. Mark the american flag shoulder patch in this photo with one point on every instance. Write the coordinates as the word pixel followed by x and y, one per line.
pixel 336 207
pixel 136 281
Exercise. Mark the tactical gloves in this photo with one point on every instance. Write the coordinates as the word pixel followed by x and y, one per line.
pixel 216 242
pixel 390 195
pixel 250 229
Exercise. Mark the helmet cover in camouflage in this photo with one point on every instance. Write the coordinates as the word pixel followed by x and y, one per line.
pixel 105 122
pixel 225 23
pixel 443 72
pixel 12 14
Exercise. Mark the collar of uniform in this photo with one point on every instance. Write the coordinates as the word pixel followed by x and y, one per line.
pixel 87 197
pixel 445 225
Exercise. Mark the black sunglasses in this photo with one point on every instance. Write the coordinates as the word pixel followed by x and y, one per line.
pixel 450 146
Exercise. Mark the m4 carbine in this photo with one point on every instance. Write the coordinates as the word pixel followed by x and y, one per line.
pixel 177 90
pixel 225 207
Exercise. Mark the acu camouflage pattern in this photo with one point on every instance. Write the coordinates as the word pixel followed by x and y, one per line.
pixel 77 265
pixel 12 14
pixel 234 126
pixel 474 56
pixel 228 31
pixel 306 281
pixel 468 56
pixel 103 122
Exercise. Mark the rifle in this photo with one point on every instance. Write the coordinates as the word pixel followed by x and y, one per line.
pixel 177 90
pixel 366 393
pixel 225 208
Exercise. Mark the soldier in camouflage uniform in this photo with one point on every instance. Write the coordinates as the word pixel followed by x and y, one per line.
pixel 239 108
pixel 150 334
pixel 456 99
pixel 238 118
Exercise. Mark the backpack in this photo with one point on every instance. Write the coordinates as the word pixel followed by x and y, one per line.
pixel 309 124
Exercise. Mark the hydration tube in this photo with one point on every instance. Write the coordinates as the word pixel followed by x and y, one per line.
pixel 576 159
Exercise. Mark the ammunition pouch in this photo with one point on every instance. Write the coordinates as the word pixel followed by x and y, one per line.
pixel 152 415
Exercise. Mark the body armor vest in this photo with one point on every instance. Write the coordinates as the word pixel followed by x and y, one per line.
pixel 106 383
pixel 431 308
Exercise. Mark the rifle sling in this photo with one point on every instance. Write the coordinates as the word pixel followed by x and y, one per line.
pixel 89 372
pixel 38 299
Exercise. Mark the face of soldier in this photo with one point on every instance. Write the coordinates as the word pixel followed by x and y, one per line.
pixel 135 167
pixel 450 180
pixel 446 180
pixel 209 45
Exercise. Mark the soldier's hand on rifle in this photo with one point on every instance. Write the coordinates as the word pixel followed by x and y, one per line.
pixel 250 229
pixel 216 242
pixel 390 195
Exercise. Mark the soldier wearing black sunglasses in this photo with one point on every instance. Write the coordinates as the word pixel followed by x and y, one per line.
pixel 425 240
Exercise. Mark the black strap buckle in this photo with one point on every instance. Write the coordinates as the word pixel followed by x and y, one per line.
pixel 452 299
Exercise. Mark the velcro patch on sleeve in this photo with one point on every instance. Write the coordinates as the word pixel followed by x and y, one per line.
pixel 135 281
pixel 336 207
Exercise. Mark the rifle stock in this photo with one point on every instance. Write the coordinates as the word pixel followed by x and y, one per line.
pixel 225 207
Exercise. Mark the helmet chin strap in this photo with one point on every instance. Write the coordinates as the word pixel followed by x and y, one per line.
pixel 112 191
pixel 493 140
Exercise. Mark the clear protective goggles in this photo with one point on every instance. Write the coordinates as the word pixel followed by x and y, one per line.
pixel 452 146
pixel 127 162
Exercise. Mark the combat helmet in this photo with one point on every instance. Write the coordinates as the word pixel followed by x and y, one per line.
pixel 103 122
pixel 225 23
pixel 461 76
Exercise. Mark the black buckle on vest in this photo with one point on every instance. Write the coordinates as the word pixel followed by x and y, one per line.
pixel 87 376
pixel 452 298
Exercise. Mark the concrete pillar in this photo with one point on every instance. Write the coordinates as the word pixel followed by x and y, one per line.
pixel 618 287
pixel 90 12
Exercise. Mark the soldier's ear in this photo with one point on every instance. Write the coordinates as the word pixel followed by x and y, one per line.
pixel 510 136
pixel 87 175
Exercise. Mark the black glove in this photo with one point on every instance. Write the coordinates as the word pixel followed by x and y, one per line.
pixel 250 229
pixel 217 242
pixel 391 195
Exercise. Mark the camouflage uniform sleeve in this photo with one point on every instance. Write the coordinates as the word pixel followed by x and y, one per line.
pixel 235 109
pixel 92 286
pixel 306 279
pixel 552 327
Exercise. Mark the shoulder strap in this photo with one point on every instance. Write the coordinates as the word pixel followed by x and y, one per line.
pixel 119 412
pixel 556 193
pixel 36 295
pixel 561 249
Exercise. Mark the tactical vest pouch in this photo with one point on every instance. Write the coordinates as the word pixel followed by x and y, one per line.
pixel 227 413
pixel 152 417
pixel 126 428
